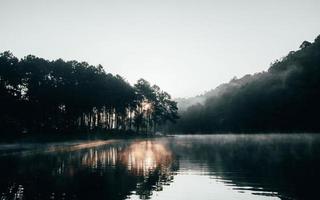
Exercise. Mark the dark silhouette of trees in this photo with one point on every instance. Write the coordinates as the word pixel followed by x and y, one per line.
pixel 154 106
pixel 37 95
pixel 285 98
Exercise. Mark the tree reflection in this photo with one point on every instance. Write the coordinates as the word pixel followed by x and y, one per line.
pixel 152 162
pixel 286 166
pixel 111 171
pixel 266 165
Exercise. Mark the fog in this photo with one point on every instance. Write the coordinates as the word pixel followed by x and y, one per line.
pixel 284 98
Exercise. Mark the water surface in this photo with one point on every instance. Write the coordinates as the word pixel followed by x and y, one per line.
pixel 270 166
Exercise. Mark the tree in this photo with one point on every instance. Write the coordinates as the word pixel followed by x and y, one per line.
pixel 155 107
pixel 44 96
pixel 283 99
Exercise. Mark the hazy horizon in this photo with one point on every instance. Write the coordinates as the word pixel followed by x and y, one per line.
pixel 185 47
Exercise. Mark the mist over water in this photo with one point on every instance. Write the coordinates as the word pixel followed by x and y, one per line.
pixel 268 166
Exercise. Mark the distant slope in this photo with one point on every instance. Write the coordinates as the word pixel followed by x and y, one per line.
pixel 284 98
pixel 185 103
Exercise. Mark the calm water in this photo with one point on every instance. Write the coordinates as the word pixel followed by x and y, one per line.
pixel 180 167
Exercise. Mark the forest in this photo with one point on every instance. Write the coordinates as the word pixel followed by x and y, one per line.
pixel 285 98
pixel 42 96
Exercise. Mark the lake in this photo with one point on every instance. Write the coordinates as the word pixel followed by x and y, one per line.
pixel 265 166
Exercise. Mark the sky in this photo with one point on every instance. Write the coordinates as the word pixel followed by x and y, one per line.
pixel 186 47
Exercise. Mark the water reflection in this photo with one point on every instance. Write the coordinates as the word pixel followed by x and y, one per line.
pixel 182 167
pixel 111 171
pixel 271 165
pixel 143 157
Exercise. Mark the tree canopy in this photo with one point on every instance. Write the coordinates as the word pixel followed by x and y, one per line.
pixel 38 95
pixel 285 98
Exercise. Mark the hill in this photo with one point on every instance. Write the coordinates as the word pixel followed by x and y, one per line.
pixel 285 98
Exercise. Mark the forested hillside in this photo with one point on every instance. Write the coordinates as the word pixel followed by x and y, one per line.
pixel 284 98
pixel 41 96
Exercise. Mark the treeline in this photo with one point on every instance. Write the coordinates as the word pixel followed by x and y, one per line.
pixel 286 98
pixel 41 96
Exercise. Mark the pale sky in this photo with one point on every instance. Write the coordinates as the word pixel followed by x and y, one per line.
pixel 184 46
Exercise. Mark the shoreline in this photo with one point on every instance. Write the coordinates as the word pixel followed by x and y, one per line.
pixel 62 137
